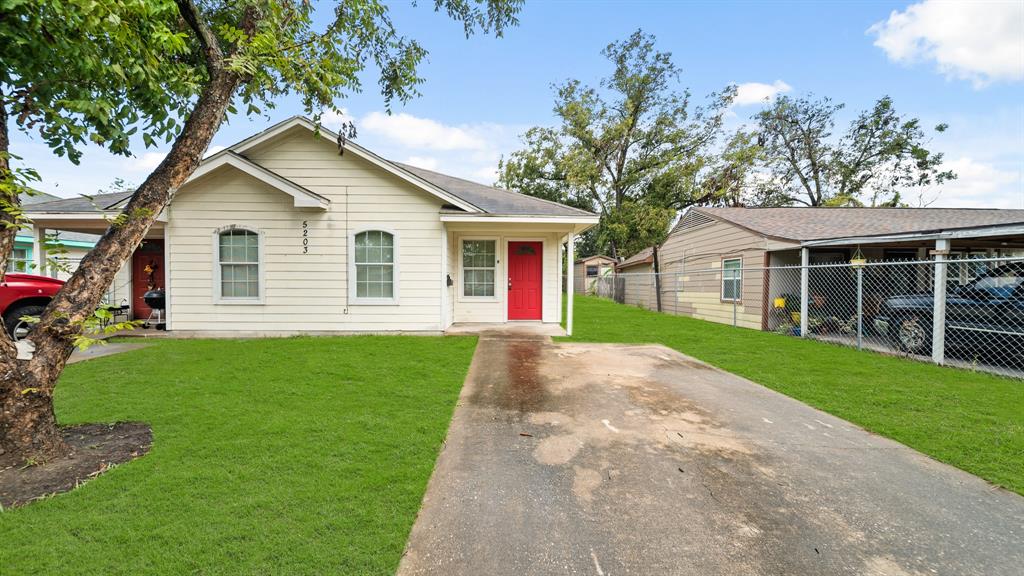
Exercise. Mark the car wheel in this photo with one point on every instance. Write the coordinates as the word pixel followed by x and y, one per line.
pixel 16 327
pixel 912 334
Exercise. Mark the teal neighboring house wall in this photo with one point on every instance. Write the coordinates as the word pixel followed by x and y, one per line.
pixel 21 258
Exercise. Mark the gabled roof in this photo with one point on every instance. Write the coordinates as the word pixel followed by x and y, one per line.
pixel 302 122
pixel 465 195
pixel 303 197
pixel 807 224
pixel 97 203
pixel 461 197
pixel 600 257
pixel 645 256
pixel 36 197
pixel 494 200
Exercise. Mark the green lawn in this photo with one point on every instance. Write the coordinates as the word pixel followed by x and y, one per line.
pixel 971 420
pixel 281 456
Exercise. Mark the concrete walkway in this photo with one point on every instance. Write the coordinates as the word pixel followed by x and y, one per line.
pixel 609 460
pixel 99 351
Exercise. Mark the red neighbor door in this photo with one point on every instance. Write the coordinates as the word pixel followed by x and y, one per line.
pixel 147 274
pixel 524 280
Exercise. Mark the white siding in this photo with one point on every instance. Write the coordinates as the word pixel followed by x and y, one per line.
pixel 475 310
pixel 304 291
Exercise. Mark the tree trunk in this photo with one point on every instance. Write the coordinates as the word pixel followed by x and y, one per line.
pixel 28 427
pixel 9 200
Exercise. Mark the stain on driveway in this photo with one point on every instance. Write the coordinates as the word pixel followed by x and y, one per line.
pixel 614 459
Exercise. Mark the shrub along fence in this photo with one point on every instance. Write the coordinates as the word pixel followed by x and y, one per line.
pixel 967 313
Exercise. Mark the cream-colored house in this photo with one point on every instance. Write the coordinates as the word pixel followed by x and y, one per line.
pixel 285 232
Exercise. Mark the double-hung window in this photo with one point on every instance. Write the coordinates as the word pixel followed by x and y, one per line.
pixel 479 267
pixel 238 260
pixel 19 260
pixel 375 256
pixel 732 279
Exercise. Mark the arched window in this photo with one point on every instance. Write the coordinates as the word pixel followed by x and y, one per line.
pixel 376 254
pixel 238 264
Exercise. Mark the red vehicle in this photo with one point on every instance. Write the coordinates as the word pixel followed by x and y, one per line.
pixel 24 295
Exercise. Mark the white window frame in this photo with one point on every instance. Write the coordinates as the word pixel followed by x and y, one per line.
pixel 498 270
pixel 25 262
pixel 218 290
pixel 355 300
pixel 738 296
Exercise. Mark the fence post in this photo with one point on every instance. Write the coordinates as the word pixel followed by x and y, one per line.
pixel 939 302
pixel 805 259
pixel 734 296
pixel 860 308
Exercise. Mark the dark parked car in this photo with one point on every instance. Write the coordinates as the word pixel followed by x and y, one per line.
pixel 987 314
pixel 24 295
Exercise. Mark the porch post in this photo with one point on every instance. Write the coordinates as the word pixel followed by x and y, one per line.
pixel 561 281
pixel 570 283
pixel 805 260
pixel 39 250
pixel 939 302
pixel 444 277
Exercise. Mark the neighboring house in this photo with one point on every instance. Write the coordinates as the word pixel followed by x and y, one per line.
pixel 588 270
pixel 738 243
pixel 639 287
pixel 281 233
pixel 75 245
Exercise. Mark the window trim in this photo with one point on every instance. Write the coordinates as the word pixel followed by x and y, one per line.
pixel 353 299
pixel 26 261
pixel 739 295
pixel 499 273
pixel 218 297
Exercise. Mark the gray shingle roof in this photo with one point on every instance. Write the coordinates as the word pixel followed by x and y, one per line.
pixel 803 224
pixel 36 198
pixel 97 203
pixel 644 256
pixel 492 200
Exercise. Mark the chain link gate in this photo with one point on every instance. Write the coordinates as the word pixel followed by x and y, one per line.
pixel 967 313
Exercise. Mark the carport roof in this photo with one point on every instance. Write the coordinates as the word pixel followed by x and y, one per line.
pixel 807 224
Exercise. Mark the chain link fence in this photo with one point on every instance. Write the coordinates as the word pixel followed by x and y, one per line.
pixel 967 312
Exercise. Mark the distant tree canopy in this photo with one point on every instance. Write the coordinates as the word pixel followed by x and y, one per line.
pixel 632 149
pixel 636 151
pixel 879 157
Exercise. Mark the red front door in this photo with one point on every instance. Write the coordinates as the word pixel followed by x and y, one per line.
pixel 524 280
pixel 147 274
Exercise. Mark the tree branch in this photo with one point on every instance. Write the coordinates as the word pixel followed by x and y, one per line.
pixel 207 40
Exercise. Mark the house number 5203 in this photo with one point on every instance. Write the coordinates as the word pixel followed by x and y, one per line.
pixel 305 236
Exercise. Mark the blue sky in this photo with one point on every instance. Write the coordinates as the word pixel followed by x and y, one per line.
pixel 960 63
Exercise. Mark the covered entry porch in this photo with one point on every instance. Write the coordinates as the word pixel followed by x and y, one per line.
pixel 507 271
pixel 145 270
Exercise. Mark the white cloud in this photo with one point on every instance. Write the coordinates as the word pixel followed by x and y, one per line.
pixel 333 120
pixel 414 132
pixel 213 150
pixel 980 185
pixel 147 162
pixel 425 162
pixel 977 41
pixel 758 92
pixel 487 175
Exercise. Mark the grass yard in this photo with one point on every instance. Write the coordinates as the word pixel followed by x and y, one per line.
pixel 280 456
pixel 971 420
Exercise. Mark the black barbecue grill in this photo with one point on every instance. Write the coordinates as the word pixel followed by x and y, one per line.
pixel 157 301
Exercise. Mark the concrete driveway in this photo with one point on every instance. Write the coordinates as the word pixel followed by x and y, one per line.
pixel 608 460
